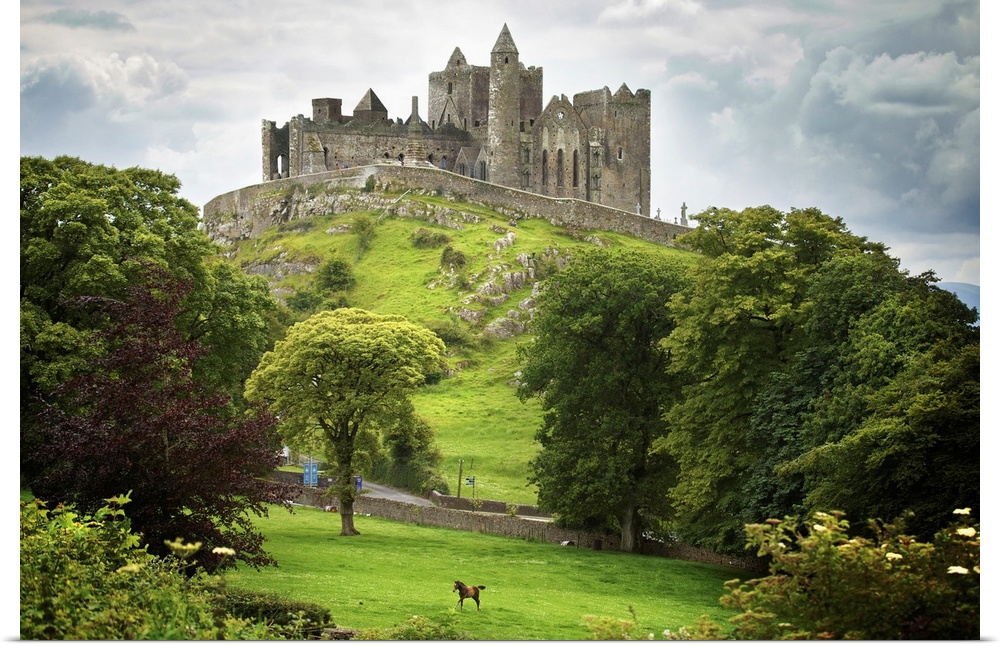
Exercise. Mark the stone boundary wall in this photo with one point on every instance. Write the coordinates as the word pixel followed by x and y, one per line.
pixel 484 522
pixel 247 212
pixel 484 505
pixel 502 524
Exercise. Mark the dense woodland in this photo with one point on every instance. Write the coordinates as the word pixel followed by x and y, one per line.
pixel 793 367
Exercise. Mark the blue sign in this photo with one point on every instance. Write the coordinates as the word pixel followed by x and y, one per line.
pixel 470 480
pixel 310 474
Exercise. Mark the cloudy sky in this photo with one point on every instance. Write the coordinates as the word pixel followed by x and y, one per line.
pixel 867 110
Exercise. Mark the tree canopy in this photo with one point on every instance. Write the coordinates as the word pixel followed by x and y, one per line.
pixel 339 374
pixel 820 375
pixel 135 421
pixel 597 367
pixel 92 230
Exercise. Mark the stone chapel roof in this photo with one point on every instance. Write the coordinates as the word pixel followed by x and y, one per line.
pixel 370 102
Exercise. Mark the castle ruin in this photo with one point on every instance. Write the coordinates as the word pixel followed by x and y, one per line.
pixel 487 123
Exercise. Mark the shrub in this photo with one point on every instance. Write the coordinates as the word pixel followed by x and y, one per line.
pixel 286 617
pixel 451 257
pixel 303 301
pixel 84 577
pixel 824 583
pixel 335 275
pixel 453 334
pixel 425 238
pixel 416 628
pixel 363 227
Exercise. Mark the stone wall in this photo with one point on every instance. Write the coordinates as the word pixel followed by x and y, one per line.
pixel 502 524
pixel 247 212
pixel 485 522
pixel 482 505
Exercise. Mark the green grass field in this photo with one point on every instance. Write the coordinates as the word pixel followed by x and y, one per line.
pixel 475 413
pixel 536 591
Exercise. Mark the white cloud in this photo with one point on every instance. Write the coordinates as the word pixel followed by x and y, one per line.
pixel 911 85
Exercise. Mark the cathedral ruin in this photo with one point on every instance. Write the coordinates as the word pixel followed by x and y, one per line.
pixel 487 123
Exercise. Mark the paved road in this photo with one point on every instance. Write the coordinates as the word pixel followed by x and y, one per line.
pixel 385 492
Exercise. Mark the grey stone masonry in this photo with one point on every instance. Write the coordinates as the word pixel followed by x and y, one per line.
pixel 486 122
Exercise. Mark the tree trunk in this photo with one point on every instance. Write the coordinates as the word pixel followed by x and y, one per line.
pixel 347 517
pixel 344 447
pixel 629 526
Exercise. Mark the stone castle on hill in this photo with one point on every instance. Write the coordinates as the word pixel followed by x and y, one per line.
pixel 487 123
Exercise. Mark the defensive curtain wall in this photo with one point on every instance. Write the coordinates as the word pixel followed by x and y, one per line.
pixel 248 212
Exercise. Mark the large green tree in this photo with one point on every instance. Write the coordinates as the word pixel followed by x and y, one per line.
pixel 89 230
pixel 896 426
pixel 596 364
pixel 336 377
pixel 135 421
pixel 738 324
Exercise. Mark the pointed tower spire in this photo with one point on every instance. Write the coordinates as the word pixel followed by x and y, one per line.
pixel 505 43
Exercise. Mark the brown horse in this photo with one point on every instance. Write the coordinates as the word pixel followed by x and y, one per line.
pixel 467 592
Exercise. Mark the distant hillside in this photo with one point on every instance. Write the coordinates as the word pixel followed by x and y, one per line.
pixel 967 292
pixel 479 301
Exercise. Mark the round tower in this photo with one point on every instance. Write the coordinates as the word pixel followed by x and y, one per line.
pixel 504 121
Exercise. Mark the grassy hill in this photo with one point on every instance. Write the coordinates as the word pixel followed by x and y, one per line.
pixel 475 411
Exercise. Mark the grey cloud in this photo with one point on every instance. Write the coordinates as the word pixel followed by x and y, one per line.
pixel 49 95
pixel 910 85
pixel 82 18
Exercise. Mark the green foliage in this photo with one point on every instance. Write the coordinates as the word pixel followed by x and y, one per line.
pixel 369 184
pixel 425 238
pixel 819 376
pixel 826 584
pixel 89 230
pixel 92 231
pixel 304 301
pixel 546 266
pixel 596 365
pixel 453 334
pixel 84 577
pixel 339 374
pixel 738 322
pixel 410 458
pixel 899 427
pixel 363 227
pixel 335 275
pixel 230 315
pixel 416 628
pixel 285 617
pixel 453 258
pixel 137 421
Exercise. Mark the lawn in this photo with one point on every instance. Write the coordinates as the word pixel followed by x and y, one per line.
pixel 535 591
